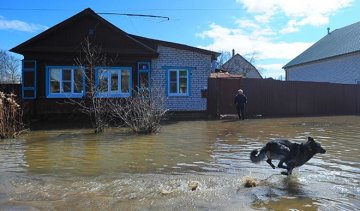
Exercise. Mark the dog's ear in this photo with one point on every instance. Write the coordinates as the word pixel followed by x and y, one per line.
pixel 310 139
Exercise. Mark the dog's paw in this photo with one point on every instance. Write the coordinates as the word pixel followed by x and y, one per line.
pixel 285 173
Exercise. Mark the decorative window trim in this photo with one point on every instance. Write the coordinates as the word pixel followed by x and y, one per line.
pixel 28 88
pixel 113 94
pixel 177 70
pixel 72 94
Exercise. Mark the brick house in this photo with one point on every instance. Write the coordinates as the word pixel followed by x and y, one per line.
pixel 335 58
pixel 50 74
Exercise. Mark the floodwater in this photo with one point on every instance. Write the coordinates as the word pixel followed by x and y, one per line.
pixel 78 170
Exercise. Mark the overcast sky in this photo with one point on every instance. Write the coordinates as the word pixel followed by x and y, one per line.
pixel 277 30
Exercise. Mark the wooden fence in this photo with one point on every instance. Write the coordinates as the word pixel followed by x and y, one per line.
pixel 11 88
pixel 271 98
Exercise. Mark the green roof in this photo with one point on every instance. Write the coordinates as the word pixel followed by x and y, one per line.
pixel 338 42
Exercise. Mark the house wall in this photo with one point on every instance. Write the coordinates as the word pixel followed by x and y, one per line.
pixel 201 64
pixel 42 104
pixel 253 74
pixel 343 69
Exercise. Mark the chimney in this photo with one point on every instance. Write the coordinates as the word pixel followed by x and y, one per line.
pixel 233 52
pixel 328 29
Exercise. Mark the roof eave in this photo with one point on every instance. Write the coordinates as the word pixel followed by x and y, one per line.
pixel 156 42
pixel 287 66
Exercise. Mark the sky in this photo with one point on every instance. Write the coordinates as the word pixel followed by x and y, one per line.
pixel 272 31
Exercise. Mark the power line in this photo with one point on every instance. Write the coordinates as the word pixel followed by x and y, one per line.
pixel 32 9
pixel 133 15
pixel 114 11
pixel 100 13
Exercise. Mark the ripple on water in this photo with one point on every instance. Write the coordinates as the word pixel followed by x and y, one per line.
pixel 57 169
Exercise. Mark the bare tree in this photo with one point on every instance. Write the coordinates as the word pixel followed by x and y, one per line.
pixel 249 65
pixel 91 56
pixel 224 57
pixel 9 68
pixel 3 72
pixel 141 112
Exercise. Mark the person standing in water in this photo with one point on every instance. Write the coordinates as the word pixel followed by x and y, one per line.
pixel 240 100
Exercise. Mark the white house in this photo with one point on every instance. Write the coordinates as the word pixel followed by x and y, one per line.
pixel 335 58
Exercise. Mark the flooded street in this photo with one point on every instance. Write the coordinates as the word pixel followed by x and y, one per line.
pixel 78 170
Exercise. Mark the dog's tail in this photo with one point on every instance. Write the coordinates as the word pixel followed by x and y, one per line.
pixel 257 158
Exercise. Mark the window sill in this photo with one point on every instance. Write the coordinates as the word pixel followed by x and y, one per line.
pixel 178 95
pixel 113 95
pixel 80 95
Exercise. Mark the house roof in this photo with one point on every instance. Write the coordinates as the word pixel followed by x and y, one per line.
pixel 32 45
pixel 144 45
pixel 336 43
pixel 237 61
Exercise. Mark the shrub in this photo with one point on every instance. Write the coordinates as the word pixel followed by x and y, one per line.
pixel 142 112
pixel 11 123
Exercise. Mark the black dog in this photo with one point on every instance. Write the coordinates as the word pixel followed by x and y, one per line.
pixel 292 154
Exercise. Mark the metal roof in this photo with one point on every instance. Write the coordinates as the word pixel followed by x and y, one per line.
pixel 338 42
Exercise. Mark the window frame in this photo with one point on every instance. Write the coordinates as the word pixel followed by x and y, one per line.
pixel 71 94
pixel 177 70
pixel 110 93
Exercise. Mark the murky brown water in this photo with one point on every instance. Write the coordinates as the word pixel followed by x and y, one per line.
pixel 78 170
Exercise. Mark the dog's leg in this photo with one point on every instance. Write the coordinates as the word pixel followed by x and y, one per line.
pixel 281 165
pixel 270 163
pixel 285 173
pixel 288 172
pixel 289 167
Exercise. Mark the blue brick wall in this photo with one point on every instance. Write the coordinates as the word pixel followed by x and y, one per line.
pixel 201 68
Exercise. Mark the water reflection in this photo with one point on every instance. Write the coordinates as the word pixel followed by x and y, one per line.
pixel 58 168
pixel 288 203
pixel 292 186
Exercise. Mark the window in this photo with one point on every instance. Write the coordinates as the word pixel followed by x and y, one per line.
pixel 113 81
pixel 178 82
pixel 65 82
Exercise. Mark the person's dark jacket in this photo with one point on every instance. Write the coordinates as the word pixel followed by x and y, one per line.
pixel 240 99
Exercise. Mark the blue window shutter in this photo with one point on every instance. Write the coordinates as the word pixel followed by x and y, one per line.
pixel 28 91
pixel 189 80
pixel 47 81
pixel 167 82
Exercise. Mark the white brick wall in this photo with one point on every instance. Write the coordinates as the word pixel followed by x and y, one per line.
pixel 343 69
pixel 171 57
